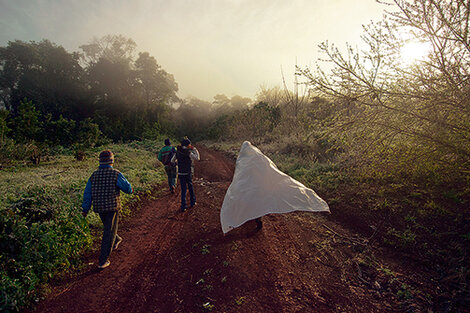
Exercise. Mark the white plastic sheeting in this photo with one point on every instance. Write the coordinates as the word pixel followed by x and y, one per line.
pixel 259 188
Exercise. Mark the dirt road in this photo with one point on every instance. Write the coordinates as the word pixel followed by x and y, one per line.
pixel 180 262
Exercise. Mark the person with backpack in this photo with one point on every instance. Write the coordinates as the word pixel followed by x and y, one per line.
pixel 165 155
pixel 103 192
pixel 184 156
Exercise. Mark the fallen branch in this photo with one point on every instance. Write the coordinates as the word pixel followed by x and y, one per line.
pixel 359 273
pixel 345 237
pixel 376 230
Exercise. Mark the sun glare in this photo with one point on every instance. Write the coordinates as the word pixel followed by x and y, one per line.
pixel 412 52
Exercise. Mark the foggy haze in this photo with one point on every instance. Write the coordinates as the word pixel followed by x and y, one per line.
pixel 211 47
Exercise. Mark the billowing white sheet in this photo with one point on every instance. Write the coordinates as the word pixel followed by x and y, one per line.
pixel 259 188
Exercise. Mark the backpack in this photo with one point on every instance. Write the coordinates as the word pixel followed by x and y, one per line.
pixel 166 156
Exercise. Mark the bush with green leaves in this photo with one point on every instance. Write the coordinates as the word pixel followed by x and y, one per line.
pixel 30 228
pixel 27 123
pixel 88 133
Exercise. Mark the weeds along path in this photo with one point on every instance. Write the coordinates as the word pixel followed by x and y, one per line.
pixel 180 262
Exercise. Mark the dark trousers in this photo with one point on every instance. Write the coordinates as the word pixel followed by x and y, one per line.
pixel 186 182
pixel 171 173
pixel 110 226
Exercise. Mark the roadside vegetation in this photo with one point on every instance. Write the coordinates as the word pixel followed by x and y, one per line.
pixel 42 231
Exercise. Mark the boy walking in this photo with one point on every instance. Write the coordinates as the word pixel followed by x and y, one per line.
pixel 184 156
pixel 103 192
pixel 165 155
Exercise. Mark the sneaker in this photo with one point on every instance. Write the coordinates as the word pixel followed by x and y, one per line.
pixel 106 264
pixel 116 243
pixel 192 205
pixel 183 209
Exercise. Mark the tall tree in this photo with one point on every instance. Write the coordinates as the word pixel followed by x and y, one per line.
pixel 43 72
pixel 158 86
pixel 130 94
pixel 109 62
pixel 239 103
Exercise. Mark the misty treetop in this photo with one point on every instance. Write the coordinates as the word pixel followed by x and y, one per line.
pixel 106 90
pixel 198 117
pixel 42 86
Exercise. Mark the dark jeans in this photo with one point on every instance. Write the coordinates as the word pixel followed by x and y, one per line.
pixel 171 173
pixel 110 226
pixel 186 182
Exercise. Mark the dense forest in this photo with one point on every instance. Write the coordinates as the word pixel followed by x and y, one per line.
pixel 387 141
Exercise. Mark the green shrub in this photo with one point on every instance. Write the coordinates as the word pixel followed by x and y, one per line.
pixel 7 151
pixel 88 133
pixel 27 125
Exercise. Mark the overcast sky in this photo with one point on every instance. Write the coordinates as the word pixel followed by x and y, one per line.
pixel 211 47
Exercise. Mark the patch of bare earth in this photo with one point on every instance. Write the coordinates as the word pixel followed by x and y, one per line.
pixel 171 261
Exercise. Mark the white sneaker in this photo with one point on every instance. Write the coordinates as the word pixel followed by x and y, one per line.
pixel 106 264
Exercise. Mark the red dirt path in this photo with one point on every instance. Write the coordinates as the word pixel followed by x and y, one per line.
pixel 180 262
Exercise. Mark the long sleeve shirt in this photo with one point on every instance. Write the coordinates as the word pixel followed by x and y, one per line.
pixel 121 183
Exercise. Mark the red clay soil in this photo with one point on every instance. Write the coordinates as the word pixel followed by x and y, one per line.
pixel 171 261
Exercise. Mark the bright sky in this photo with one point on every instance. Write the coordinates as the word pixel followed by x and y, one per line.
pixel 211 47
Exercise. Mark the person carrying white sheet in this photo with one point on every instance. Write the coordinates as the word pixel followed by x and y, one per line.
pixel 259 188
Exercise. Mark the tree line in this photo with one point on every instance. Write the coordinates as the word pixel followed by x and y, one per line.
pixel 50 96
